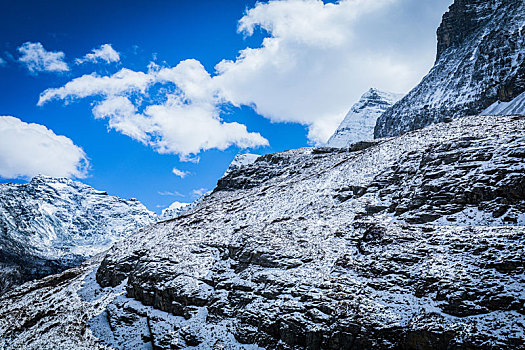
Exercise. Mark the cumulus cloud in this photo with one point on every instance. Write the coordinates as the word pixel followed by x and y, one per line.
pixel 37 59
pixel 105 53
pixel 180 173
pixel 314 62
pixel 27 150
pixel 183 119
pixel 318 58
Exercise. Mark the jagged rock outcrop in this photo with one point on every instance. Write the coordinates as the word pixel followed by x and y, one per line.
pixel 51 224
pixel 415 242
pixel 360 121
pixel 480 60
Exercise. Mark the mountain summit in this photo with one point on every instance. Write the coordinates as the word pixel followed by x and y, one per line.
pixel 480 61
pixel 360 121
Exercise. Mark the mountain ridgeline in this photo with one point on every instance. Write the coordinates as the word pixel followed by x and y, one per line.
pixel 360 121
pixel 411 242
pixel 480 61
pixel 51 224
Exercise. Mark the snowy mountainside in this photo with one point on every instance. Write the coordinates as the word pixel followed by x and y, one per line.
pixel 516 106
pixel 178 208
pixel 241 160
pixel 481 60
pixel 50 224
pixel 175 209
pixel 414 242
pixel 360 121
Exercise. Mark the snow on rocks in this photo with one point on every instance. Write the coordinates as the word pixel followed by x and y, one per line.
pixel 310 249
pixel 50 224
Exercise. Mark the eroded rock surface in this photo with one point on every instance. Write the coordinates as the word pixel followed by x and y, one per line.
pixel 320 249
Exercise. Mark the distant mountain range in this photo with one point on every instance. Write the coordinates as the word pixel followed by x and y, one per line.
pixel 51 224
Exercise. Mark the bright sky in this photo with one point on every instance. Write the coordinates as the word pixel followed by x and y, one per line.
pixel 153 99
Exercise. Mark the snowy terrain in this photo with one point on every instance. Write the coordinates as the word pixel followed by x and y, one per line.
pixel 315 248
pixel 360 121
pixel 516 106
pixel 50 223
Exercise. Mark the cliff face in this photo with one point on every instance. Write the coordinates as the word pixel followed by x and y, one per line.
pixel 51 224
pixel 480 60
pixel 414 242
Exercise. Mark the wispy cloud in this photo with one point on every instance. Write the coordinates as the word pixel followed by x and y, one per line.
pixel 199 192
pixel 37 59
pixel 171 193
pixel 2 62
pixel 27 150
pixel 104 53
pixel 180 173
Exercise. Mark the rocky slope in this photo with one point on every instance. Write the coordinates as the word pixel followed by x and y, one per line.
pixel 50 224
pixel 360 121
pixel 414 242
pixel 481 60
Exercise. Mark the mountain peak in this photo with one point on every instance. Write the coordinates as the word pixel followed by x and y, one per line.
pixel 481 60
pixel 359 123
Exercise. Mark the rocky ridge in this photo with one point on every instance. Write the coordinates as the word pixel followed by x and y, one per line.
pixel 480 61
pixel 51 224
pixel 319 248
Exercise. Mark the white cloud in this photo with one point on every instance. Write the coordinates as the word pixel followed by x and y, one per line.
pixel 180 173
pixel 124 81
pixel 37 59
pixel 27 150
pixel 183 120
pixel 104 53
pixel 2 62
pixel 315 61
pixel 198 192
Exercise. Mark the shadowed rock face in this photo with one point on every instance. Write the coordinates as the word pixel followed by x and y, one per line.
pixel 480 60
pixel 414 242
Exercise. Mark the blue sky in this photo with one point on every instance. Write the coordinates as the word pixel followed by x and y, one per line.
pixel 288 91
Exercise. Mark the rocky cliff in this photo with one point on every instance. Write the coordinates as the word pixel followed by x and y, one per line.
pixel 480 60
pixel 360 121
pixel 414 242
pixel 50 224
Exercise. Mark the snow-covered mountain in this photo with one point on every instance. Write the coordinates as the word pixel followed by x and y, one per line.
pixel 175 209
pixel 415 242
pixel 241 160
pixel 50 224
pixel 516 106
pixel 480 60
pixel 410 242
pixel 360 121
